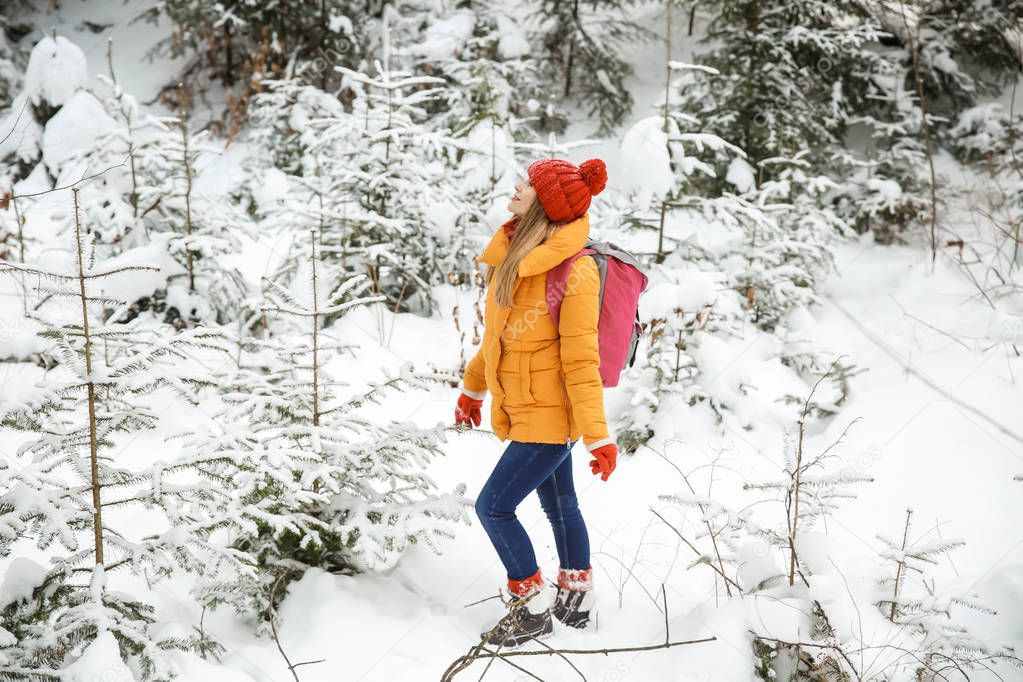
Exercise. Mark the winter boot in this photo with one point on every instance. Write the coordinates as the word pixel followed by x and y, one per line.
pixel 528 617
pixel 574 604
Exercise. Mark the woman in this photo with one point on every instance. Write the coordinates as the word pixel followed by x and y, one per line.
pixel 546 392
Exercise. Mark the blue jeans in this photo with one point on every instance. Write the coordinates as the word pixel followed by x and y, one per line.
pixel 524 467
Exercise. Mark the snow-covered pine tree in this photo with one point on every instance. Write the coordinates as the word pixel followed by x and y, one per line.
pixel 67 486
pixel 885 189
pixel 799 77
pixel 292 183
pixel 401 177
pixel 735 254
pixel 243 43
pixel 789 234
pixel 990 139
pixel 781 71
pixel 775 209
pixel 966 50
pixel 496 97
pixel 585 44
pixel 314 482
pixel 282 116
pixel 498 91
pixel 121 134
pixel 924 613
pixel 759 558
pixel 934 61
pixel 765 556
pixel 17 154
pixel 195 228
pixel 678 314
pixel 27 102
pixel 143 172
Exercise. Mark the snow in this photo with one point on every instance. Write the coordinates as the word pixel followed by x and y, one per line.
pixel 56 71
pixel 21 577
pixel 445 38
pixel 19 132
pixel 513 41
pixel 101 660
pixel 646 167
pixel 271 192
pixel 134 284
pixel 889 189
pixel 340 24
pixel 675 65
pixel 486 139
pixel 741 175
pixel 694 291
pixel 74 129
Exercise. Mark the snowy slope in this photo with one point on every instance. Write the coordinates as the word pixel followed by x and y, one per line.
pixel 923 452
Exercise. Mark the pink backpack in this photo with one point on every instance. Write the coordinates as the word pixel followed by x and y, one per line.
pixel 621 282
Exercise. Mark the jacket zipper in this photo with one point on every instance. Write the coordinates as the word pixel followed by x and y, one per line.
pixel 568 426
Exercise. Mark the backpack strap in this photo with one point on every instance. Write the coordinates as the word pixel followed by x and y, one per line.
pixel 557 284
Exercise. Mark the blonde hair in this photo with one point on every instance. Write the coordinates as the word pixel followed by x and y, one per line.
pixel 533 228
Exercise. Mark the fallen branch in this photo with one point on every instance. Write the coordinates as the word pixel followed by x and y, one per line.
pixel 480 651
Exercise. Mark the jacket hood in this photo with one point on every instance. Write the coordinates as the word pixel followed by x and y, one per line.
pixel 566 241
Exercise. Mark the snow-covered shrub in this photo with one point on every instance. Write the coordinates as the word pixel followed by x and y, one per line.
pixel 242 44
pixel 143 173
pixel 66 486
pixel 777 77
pixel 990 245
pixel 496 82
pixel 733 262
pixel 379 184
pixel 313 482
pixel 885 190
pixel 281 117
pixel 197 229
pixel 55 72
pixel 12 57
pixel 584 48
pixel 880 618
pixel 678 314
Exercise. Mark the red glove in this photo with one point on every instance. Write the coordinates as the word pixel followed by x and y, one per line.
pixel 606 460
pixel 468 410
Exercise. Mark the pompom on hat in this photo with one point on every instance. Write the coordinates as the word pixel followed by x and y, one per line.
pixel 564 189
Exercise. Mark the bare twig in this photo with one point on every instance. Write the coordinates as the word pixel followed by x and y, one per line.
pixel 76 182
pixel 273 628
pixel 902 565
pixel 719 570
pixel 710 529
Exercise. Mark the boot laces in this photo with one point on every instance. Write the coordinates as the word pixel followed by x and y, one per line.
pixel 511 621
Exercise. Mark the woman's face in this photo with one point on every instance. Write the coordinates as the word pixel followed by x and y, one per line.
pixel 524 197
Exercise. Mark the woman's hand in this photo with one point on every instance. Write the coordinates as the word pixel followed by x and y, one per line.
pixel 467 411
pixel 606 460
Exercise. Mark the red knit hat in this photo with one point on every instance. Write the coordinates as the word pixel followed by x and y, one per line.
pixel 565 190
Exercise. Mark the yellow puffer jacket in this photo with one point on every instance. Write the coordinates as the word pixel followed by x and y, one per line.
pixel 545 386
